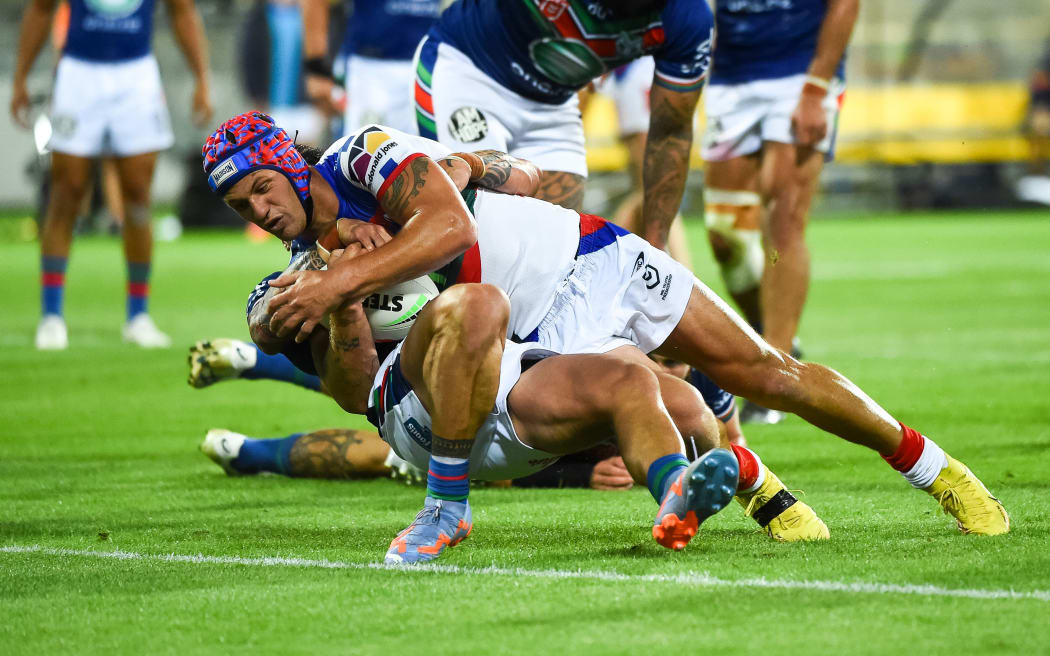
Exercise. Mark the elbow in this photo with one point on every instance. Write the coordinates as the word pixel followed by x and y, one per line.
pixel 462 233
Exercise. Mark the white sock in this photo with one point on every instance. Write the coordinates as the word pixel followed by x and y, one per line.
pixel 928 466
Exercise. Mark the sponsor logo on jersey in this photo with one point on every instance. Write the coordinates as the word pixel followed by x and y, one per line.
pixel 468 125
pixel 553 9
pixel 114 8
pixel 418 432
pixel 638 263
pixel 369 155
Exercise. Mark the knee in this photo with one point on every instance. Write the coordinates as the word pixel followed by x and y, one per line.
pixel 624 384
pixel 476 313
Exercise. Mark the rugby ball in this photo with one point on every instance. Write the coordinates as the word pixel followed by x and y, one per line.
pixel 392 311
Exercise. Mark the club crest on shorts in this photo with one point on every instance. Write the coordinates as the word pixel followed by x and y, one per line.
pixel 651 276
pixel 468 125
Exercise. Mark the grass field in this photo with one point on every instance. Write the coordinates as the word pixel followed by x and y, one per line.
pixel 117 536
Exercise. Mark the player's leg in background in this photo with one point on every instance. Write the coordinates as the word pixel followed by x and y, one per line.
pixel 713 338
pixel 732 212
pixel 70 182
pixel 215 360
pixel 788 180
pixel 335 453
pixel 136 179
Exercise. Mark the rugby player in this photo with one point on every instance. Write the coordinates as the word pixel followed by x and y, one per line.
pixel 380 39
pixel 107 100
pixel 772 104
pixel 249 144
pixel 576 284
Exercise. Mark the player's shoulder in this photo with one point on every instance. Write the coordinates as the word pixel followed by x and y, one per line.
pixel 374 153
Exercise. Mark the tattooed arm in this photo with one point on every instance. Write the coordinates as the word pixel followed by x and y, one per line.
pixel 436 227
pixel 666 163
pixel 492 169
pixel 346 357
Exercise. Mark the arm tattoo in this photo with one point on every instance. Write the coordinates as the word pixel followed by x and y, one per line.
pixel 405 187
pixel 497 168
pixel 346 344
pixel 324 454
pixel 666 165
pixel 561 188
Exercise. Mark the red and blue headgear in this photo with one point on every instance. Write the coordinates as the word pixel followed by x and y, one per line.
pixel 250 142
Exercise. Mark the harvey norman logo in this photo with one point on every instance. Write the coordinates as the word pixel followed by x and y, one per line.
pixel 223 173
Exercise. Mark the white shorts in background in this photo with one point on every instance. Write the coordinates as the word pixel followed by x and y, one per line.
pixel 379 91
pixel 473 112
pixel 741 116
pixel 498 454
pixel 629 91
pixel 109 109
pixel 627 293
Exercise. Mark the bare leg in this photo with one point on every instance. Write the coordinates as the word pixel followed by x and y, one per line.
pixel 339 453
pixel 452 358
pixel 70 180
pixel 568 403
pixel 731 223
pixel 713 338
pixel 136 178
pixel 788 180
pixel 561 188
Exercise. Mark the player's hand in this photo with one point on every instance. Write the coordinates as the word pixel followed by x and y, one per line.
pixel 306 297
pixel 20 105
pixel 611 474
pixel 369 235
pixel 202 109
pixel 808 122
pixel 321 91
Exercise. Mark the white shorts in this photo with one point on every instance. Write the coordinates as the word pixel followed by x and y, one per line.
pixel 404 423
pixel 741 116
pixel 629 91
pixel 378 91
pixel 468 110
pixel 622 294
pixel 109 109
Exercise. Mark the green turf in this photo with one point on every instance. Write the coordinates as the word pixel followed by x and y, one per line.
pixel 943 318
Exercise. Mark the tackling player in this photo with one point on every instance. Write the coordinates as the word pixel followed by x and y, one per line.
pixel 569 291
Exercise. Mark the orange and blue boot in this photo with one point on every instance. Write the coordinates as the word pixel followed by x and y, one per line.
pixel 440 524
pixel 706 486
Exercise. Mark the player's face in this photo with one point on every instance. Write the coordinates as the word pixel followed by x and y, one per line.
pixel 267 199
pixel 673 367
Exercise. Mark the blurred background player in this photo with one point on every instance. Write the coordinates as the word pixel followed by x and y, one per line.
pixel 772 104
pixel 504 75
pixel 380 39
pixel 1035 186
pixel 107 99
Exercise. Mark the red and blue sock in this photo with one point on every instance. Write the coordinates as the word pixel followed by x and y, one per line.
pixel 448 478
pixel 52 283
pixel 271 455
pixel 138 288
pixel 663 472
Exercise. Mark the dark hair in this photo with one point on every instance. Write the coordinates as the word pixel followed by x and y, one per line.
pixel 310 154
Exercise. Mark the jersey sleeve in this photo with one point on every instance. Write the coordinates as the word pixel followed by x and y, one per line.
pixel 683 61
pixel 374 155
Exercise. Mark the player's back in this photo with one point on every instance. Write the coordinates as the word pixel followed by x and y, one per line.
pixel 109 30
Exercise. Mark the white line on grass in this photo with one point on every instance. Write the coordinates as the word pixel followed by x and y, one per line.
pixel 685 578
